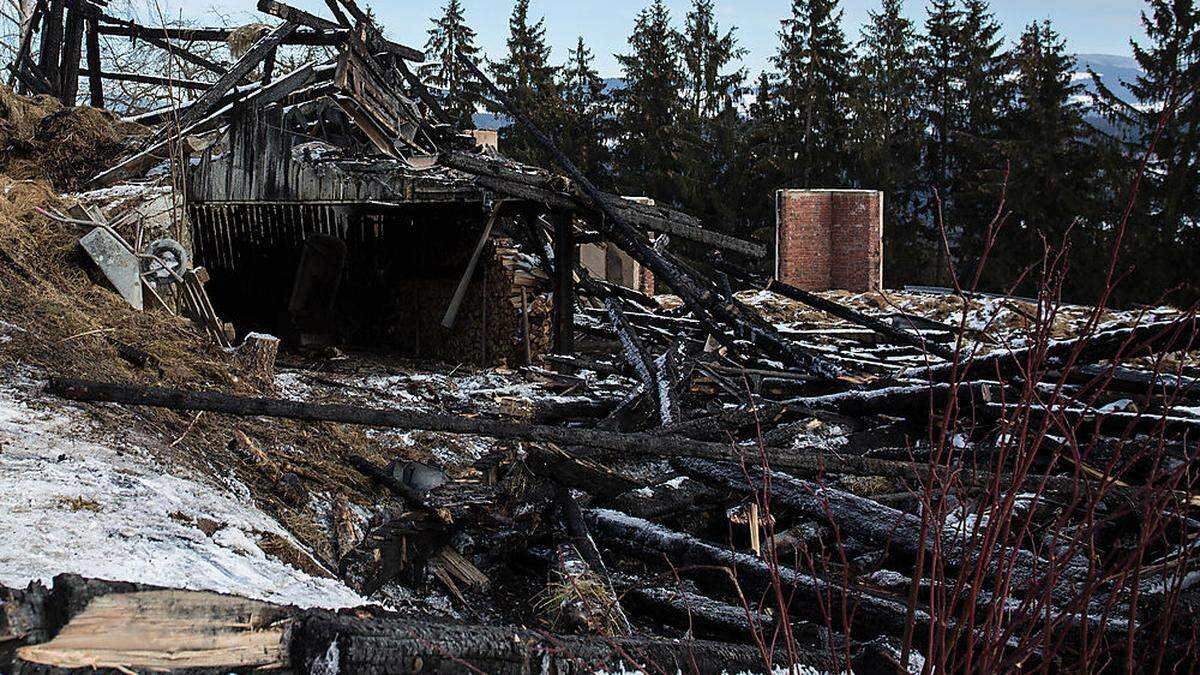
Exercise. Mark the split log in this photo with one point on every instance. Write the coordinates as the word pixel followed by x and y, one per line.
pixel 164 630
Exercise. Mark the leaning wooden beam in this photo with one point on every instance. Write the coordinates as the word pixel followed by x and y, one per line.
pixel 194 85
pixel 460 293
pixel 72 52
pixel 139 162
pixel 26 44
pixel 185 55
pixel 210 98
pixel 704 304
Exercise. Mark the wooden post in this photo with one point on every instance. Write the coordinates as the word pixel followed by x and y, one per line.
pixel 525 326
pixel 51 49
pixel 565 254
pixel 68 86
pixel 95 82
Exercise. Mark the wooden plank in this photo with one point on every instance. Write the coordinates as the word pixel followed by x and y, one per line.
pixel 463 284
pixel 95 81
pixel 167 630
pixel 51 50
pixel 68 85
pixel 194 85
pixel 565 254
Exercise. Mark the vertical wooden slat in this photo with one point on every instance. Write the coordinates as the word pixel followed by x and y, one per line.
pixel 95 83
pixel 68 84
pixel 51 49
pixel 564 283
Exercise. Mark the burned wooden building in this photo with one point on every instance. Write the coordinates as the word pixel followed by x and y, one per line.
pixel 335 204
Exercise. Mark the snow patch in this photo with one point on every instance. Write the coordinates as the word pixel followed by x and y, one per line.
pixel 83 506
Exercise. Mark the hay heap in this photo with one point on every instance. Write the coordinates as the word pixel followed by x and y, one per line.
pixel 42 139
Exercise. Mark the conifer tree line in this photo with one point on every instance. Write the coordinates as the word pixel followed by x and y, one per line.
pixel 954 123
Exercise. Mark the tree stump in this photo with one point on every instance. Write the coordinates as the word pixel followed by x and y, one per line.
pixel 257 357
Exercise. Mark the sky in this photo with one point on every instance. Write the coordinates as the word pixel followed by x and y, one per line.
pixel 1090 26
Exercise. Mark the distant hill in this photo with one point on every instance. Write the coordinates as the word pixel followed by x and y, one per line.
pixel 1114 72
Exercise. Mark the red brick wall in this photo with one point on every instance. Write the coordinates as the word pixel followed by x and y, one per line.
pixel 830 239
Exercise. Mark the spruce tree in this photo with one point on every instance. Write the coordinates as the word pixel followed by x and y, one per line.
pixel 708 57
pixel 586 115
pixel 1162 240
pixel 530 81
pixel 889 130
pixel 459 91
pixel 812 92
pixel 1053 158
pixel 984 68
pixel 650 108
pixel 711 126
pixel 941 91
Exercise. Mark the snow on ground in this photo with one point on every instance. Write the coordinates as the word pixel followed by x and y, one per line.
pixel 70 503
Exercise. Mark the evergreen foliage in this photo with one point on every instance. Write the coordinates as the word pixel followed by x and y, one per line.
pixel 889 129
pixel 460 93
pixel 531 83
pixel 586 115
pixel 942 114
pixel 650 108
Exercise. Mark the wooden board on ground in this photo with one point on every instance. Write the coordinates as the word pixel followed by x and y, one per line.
pixel 167 630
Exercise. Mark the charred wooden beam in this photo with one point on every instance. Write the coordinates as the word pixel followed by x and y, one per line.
pixel 873 613
pixel 553 188
pixel 95 80
pixel 26 43
pixel 1104 345
pixel 135 31
pixel 327 642
pixel 72 52
pixel 211 96
pixel 50 52
pixel 565 254
pixel 194 85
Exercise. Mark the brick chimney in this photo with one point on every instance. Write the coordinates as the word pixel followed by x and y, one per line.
pixel 829 239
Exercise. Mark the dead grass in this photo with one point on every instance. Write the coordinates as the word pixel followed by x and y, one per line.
pixel 42 139
pixel 69 322
pixel 78 504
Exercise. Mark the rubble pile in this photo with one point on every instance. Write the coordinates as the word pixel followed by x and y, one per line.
pixel 707 480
